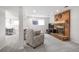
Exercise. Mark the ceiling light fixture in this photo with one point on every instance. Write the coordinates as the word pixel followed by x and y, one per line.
pixel 34 11
pixel 57 11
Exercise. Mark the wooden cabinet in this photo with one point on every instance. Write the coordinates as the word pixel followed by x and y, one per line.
pixel 62 24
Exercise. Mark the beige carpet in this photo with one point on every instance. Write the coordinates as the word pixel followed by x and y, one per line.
pixel 51 44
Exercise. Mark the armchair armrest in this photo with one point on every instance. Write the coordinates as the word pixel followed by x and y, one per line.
pixel 39 37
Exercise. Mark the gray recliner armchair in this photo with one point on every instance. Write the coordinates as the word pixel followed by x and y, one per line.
pixel 34 40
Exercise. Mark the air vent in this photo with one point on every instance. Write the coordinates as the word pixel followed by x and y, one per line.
pixel 66 6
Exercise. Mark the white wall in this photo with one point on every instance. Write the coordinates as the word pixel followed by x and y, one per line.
pixel 2 28
pixel 75 24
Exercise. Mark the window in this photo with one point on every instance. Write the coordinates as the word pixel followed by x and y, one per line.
pixel 35 22
pixel 38 22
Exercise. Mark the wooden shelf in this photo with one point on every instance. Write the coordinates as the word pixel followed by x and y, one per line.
pixel 60 36
pixel 62 23
pixel 59 22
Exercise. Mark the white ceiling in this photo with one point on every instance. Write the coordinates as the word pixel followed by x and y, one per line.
pixel 40 10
